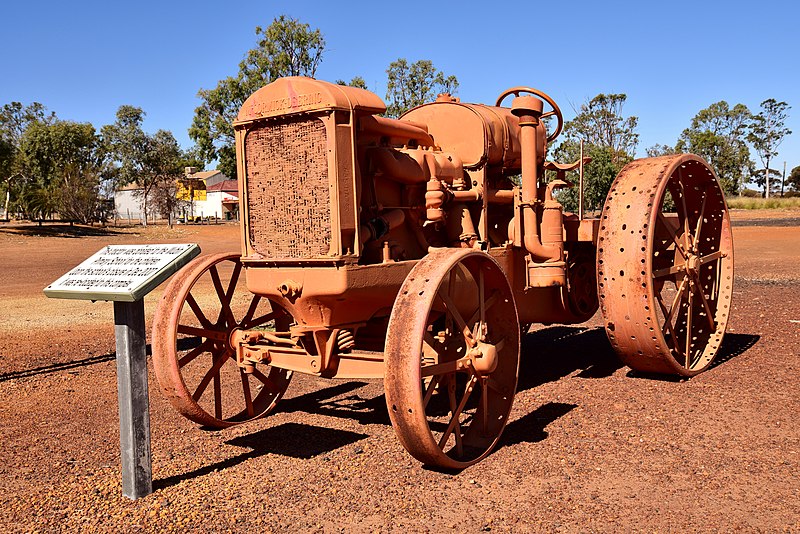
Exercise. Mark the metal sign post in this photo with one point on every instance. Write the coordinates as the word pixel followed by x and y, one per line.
pixel 125 274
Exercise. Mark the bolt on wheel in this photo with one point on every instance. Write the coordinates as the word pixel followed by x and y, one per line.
pixel 194 361
pixel 452 358
pixel 665 265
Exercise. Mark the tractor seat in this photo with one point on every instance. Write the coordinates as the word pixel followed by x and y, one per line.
pixel 565 167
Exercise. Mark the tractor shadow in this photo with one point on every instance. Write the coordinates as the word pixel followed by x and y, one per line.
pixel 552 353
pixel 732 346
pixel 288 439
pixel 530 428
pixel 340 401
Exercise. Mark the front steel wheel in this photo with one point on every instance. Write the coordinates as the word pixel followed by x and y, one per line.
pixel 452 358
pixel 665 265
pixel 194 361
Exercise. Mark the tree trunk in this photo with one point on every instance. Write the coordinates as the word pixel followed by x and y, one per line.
pixel 766 177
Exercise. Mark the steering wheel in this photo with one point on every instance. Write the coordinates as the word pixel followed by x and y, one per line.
pixel 544 96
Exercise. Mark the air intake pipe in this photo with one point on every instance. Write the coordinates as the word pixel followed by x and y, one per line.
pixel 529 110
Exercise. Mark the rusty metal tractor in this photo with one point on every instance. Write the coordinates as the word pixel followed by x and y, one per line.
pixel 413 250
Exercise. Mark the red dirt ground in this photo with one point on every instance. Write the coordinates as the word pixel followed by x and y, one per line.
pixel 591 446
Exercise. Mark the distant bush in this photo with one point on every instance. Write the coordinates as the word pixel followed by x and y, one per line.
pixel 750 193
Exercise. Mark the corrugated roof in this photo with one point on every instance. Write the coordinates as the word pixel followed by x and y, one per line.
pixel 228 186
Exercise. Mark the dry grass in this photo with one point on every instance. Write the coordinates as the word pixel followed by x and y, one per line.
pixel 745 203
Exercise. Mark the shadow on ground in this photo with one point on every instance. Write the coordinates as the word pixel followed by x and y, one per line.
pixel 288 439
pixel 530 428
pixel 340 401
pixel 58 230
pixel 558 351
pixel 732 346
pixel 56 367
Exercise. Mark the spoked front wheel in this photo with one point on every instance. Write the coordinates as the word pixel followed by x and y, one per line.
pixel 194 361
pixel 452 358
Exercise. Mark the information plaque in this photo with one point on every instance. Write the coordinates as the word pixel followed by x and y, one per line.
pixel 123 273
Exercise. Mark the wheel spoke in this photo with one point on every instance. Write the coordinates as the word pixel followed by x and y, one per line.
pixel 194 353
pixel 198 312
pixel 675 301
pixel 248 399
pixel 269 385
pixel 435 380
pixel 258 321
pixel 237 269
pixel 429 340
pixel 219 360
pixel 440 368
pixel 216 335
pixel 454 420
pixel 225 311
pixel 698 228
pixel 686 235
pixel 706 306
pixel 485 405
pixel 689 313
pixel 218 396
pixel 671 232
pixel 251 311
pixel 481 300
pixel 451 395
pixel 491 301
pixel 708 258
pixel 667 323
pixel 454 313
pixel 675 269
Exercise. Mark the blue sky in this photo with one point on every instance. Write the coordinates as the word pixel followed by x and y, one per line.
pixel 85 59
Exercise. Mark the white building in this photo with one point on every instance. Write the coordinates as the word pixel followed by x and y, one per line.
pixel 222 201
pixel 215 197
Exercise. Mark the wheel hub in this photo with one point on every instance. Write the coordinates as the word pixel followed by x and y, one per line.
pixel 693 263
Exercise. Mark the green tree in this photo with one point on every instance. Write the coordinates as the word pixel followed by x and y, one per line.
pixel 660 150
pixel 286 47
pixel 600 122
pixel 61 169
pixel 166 162
pixel 609 138
pixel 14 120
pixel 356 81
pixel 774 181
pixel 767 133
pixel 151 161
pixel 793 180
pixel 412 85
pixel 718 134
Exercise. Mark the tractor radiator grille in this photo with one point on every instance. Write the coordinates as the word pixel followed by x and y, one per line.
pixel 287 189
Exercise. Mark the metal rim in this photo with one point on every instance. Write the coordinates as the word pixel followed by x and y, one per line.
pixel 447 403
pixel 665 265
pixel 194 362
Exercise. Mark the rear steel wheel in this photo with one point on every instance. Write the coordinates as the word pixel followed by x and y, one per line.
pixel 452 358
pixel 665 265
pixel 194 361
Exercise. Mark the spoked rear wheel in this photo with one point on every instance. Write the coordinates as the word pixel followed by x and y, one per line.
pixel 665 265
pixel 194 361
pixel 452 358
